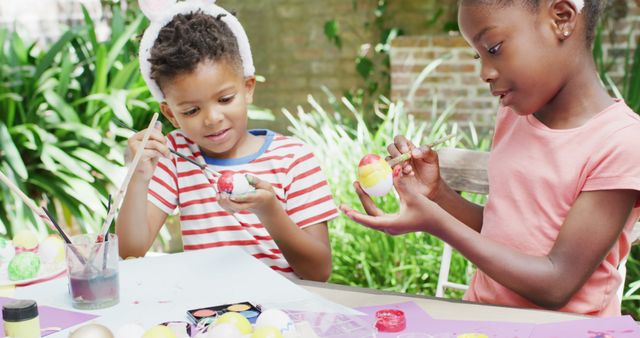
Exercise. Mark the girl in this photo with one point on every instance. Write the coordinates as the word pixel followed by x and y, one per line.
pixel 564 170
pixel 196 60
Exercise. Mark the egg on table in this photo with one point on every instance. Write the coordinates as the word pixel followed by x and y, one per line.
pixel 51 250
pixel 159 331
pixel 130 331
pixel 239 321
pixel 267 332
pixel 25 240
pixel 276 318
pixel 24 265
pixel 233 183
pixel 375 175
pixel 91 331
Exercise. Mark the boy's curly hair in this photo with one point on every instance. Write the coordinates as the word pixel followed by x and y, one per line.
pixel 190 39
pixel 592 9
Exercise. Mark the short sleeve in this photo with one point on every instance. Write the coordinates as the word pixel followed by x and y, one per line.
pixel 308 197
pixel 616 164
pixel 163 188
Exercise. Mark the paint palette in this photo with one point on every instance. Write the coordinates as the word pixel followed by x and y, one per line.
pixel 207 315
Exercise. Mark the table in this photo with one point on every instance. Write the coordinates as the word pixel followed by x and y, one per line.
pixel 163 288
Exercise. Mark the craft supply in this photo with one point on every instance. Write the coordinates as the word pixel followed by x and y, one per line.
pixel 159 331
pixel 130 331
pixel 276 318
pixel 239 321
pixel 123 187
pixel 267 332
pixel 182 156
pixel 25 240
pixel 51 250
pixel 24 265
pixel 21 319
pixel 390 320
pixel 224 330
pixel 92 331
pixel 234 183
pixel 209 314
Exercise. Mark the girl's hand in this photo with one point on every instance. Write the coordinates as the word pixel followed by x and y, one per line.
pixel 423 165
pixel 154 149
pixel 262 200
pixel 417 212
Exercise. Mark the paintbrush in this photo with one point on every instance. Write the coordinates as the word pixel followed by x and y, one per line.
pixel 185 157
pixel 406 156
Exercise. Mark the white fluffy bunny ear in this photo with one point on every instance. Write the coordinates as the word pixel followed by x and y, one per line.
pixel 153 9
pixel 204 2
pixel 579 4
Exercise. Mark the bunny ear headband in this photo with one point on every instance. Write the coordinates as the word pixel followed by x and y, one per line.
pixel 579 4
pixel 161 12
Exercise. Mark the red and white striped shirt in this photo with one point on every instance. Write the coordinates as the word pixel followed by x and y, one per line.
pixel 285 162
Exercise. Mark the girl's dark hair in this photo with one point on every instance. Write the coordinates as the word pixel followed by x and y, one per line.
pixel 190 39
pixel 592 9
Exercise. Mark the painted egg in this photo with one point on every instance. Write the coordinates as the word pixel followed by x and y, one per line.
pixel 267 332
pixel 25 240
pixel 24 265
pixel 224 330
pixel 7 251
pixel 92 331
pixel 375 175
pixel 239 321
pixel 51 250
pixel 159 331
pixel 276 318
pixel 234 183
pixel 130 331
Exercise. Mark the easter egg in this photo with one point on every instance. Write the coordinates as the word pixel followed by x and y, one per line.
pixel 233 183
pixel 7 251
pixel 51 250
pixel 130 331
pixel 92 331
pixel 237 320
pixel 24 265
pixel 276 318
pixel 159 331
pixel 375 175
pixel 224 330
pixel 25 240
pixel 267 332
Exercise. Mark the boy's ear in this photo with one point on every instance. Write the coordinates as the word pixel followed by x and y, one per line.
pixel 168 114
pixel 565 18
pixel 249 85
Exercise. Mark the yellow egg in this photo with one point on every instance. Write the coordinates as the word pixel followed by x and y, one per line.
pixel 375 175
pixel 473 335
pixel 237 320
pixel 267 332
pixel 159 331
pixel 26 240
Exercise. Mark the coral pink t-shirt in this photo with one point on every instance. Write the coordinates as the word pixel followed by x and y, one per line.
pixel 536 174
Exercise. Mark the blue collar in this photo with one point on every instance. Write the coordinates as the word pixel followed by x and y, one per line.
pixel 245 159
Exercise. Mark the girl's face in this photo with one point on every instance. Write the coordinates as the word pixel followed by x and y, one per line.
pixel 210 106
pixel 519 53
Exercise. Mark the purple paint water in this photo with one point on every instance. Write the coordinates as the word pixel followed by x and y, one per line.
pixel 90 290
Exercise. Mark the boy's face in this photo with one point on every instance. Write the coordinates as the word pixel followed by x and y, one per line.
pixel 210 106
pixel 516 47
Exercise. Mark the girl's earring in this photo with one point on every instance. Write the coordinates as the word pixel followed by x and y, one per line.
pixel 566 34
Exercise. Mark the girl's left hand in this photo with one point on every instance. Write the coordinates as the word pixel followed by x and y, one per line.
pixel 417 212
pixel 259 201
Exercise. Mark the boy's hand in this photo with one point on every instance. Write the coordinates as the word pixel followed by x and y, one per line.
pixel 260 201
pixel 423 165
pixel 155 147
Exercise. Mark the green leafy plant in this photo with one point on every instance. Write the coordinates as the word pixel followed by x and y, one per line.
pixel 361 256
pixel 57 141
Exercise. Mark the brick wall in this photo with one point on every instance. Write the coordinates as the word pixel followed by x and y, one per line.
pixel 458 75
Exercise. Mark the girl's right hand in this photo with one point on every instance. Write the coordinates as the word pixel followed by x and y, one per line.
pixel 155 148
pixel 423 165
